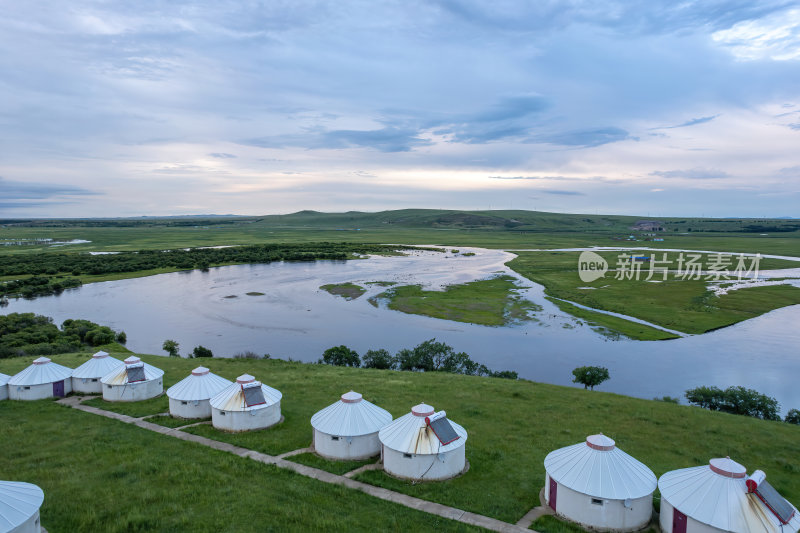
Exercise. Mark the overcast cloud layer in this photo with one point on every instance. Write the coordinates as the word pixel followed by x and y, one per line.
pixel 156 108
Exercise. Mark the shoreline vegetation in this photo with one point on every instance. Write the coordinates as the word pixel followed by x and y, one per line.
pixel 663 435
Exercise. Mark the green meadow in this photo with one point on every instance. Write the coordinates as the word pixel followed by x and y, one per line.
pixel 103 474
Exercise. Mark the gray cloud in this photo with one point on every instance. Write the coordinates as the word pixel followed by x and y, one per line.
pixel 561 192
pixel 692 122
pixel 387 139
pixel 583 138
pixel 795 126
pixel 19 190
pixel 695 173
pixel 222 155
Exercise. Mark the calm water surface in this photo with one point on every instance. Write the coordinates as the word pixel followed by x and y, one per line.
pixel 294 318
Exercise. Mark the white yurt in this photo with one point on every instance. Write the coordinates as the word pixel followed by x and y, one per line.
pixel 86 378
pixel 4 386
pixel 189 398
pixel 133 382
pixel 423 444
pixel 348 429
pixel 597 485
pixel 43 379
pixel 720 497
pixel 246 405
pixel 19 507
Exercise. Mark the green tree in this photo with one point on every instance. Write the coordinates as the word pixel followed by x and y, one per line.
pixel 340 356
pixel 122 337
pixel 378 359
pixel 201 351
pixel 735 400
pixel 590 376
pixel 171 347
pixel 793 416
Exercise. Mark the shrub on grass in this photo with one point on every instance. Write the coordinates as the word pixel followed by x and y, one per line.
pixel 340 356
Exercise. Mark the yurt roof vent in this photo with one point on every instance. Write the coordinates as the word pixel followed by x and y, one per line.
pixel 600 442
pixel 727 467
pixel 352 397
pixel 200 371
pixel 253 395
pixel 422 410
pixel 442 428
pixel 41 361
pixel 99 355
pixel 132 360
pixel 757 483
pixel 245 378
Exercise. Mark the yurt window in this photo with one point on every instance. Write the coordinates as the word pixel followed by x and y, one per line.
pixel 184 403
pixel 253 395
pixel 222 413
pixel 94 380
pixel 334 437
pixel 407 455
pixel 26 388
pixel 596 501
pixel 109 386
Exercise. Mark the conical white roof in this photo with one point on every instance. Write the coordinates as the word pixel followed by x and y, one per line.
pixel 201 384
pixel 598 468
pixel 101 364
pixel 410 433
pixel 231 398
pixel 4 379
pixel 42 371
pixel 351 416
pixel 716 495
pixel 119 376
pixel 18 502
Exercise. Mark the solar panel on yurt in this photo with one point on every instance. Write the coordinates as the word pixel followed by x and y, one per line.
pixel 776 503
pixel 441 427
pixel 135 373
pixel 253 395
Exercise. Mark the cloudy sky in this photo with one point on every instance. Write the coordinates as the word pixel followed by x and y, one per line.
pixel 157 108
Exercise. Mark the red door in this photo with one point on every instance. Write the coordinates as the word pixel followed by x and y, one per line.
pixel 678 521
pixel 554 495
pixel 58 389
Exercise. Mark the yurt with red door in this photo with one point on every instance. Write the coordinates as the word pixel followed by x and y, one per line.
pixel 42 379
pixel 721 497
pixel 597 485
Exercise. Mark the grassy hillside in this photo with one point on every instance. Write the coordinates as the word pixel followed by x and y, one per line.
pixel 512 425
pixel 492 229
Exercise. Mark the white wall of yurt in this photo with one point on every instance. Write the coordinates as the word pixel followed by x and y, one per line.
pixel 40 380
pixel 86 378
pixel 190 397
pixel 19 507
pixel 229 411
pixel 116 387
pixel 348 429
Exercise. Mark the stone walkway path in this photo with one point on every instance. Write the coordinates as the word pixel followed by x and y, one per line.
pixel 418 504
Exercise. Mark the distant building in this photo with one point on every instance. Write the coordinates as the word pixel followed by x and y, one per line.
pixel 86 378
pixel 647 225
pixel 348 429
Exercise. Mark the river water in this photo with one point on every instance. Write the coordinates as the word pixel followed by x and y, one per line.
pixel 295 319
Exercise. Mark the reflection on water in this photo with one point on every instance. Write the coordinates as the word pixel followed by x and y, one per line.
pixel 294 318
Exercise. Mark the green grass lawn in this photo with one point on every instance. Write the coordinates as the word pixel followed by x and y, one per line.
pixel 334 467
pixel 551 524
pixel 512 426
pixel 101 475
pixel 159 404
pixel 682 305
pixel 348 291
pixel 171 422
pixel 611 325
pixel 490 302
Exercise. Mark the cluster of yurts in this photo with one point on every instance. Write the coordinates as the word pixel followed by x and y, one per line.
pixel 592 483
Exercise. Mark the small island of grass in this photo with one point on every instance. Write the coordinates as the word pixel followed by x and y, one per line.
pixel 348 291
